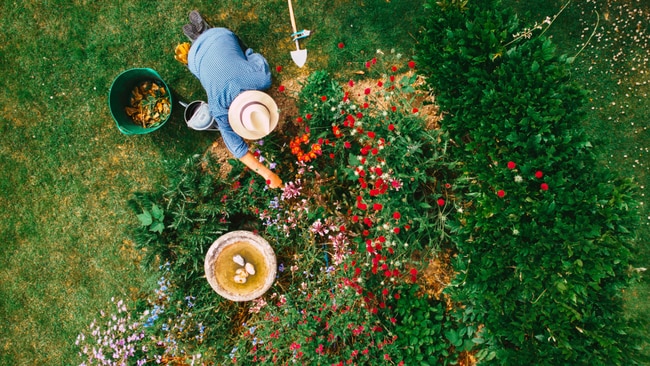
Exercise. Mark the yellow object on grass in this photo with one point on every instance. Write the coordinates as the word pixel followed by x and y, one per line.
pixel 180 53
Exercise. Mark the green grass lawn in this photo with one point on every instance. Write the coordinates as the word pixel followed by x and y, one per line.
pixel 67 172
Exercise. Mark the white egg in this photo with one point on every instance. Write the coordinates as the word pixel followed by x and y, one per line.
pixel 238 259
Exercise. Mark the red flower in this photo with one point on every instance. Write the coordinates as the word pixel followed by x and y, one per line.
pixel 386 357
pixel 278 68
pixel 396 215
pixel 351 83
pixel 347 145
pixel 308 116
pixel 380 83
pixel 394 68
pixel 367 91
pixel 441 202
pixel 393 108
pixel 355 218
pixel 415 110
pixel 371 134
pixel 299 119
pixel 341 45
pixel 377 206
pixel 323 98
pixel 392 78
pixel 501 193
pixel 374 60
pixel 391 127
pixel 539 174
pixel 367 65
pixel 411 64
pixel 362 206
pixel 414 272
pixel 281 88
pixel 396 296
pixel 511 165
pixel 544 187
pixel 367 221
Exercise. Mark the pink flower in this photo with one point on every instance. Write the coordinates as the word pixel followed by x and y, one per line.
pixel 511 165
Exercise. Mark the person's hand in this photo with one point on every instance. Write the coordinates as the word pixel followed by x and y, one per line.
pixel 274 181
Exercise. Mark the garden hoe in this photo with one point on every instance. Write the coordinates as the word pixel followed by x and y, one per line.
pixel 299 56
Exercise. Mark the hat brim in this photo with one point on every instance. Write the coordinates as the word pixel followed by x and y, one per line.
pixel 234 113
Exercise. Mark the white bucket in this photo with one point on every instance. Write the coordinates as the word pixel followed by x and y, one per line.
pixel 197 116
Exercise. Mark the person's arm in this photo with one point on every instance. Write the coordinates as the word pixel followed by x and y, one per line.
pixel 251 162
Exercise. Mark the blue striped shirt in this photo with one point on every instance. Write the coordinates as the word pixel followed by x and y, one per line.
pixel 225 70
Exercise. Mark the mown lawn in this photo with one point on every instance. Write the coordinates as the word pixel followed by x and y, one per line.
pixel 67 172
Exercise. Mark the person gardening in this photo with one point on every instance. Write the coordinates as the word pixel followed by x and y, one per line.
pixel 233 77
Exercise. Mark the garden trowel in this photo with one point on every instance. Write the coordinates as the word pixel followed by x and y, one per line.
pixel 299 56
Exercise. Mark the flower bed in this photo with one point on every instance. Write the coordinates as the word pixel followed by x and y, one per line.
pixel 361 217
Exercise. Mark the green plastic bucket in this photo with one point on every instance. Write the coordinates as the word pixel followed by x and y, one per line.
pixel 120 94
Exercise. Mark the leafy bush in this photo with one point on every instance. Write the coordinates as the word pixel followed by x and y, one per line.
pixel 545 239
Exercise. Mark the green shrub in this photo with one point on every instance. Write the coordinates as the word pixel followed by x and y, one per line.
pixel 544 244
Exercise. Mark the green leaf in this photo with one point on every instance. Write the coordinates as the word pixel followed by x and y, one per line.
pixel 145 218
pixel 157 212
pixel 534 67
pixel 157 227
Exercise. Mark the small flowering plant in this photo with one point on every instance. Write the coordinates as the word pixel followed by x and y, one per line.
pixel 165 332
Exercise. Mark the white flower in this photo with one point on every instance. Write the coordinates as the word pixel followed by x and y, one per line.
pixel 518 179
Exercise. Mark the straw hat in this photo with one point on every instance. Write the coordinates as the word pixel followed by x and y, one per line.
pixel 253 114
